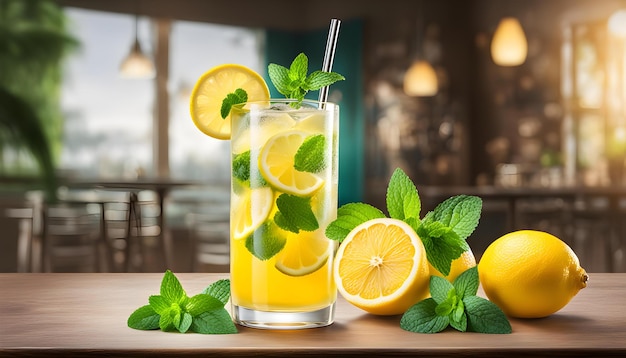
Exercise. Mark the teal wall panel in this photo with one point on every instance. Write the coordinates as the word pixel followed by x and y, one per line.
pixel 282 47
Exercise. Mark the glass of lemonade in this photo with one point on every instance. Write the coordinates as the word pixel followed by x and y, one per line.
pixel 283 195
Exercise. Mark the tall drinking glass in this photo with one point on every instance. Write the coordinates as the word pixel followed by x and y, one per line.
pixel 284 194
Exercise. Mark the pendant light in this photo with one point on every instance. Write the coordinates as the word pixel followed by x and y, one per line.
pixel 509 46
pixel 420 80
pixel 617 23
pixel 137 64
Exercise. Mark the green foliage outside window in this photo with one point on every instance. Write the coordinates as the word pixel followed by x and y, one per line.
pixel 33 44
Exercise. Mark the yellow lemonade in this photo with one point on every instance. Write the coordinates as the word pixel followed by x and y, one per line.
pixel 284 194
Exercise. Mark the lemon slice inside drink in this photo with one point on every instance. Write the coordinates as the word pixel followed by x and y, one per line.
pixel 277 165
pixel 211 89
pixel 252 207
pixel 304 253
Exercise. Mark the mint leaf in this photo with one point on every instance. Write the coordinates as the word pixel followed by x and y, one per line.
pixel 319 79
pixel 402 198
pixel 216 321
pixel 350 216
pixel 185 322
pixel 159 304
pixel 421 318
pixel 171 289
pixel 442 245
pixel 219 289
pixel 458 318
pixel 295 214
pixel 144 318
pixel 461 213
pixel 241 170
pixel 202 303
pixel 453 308
pixel 279 75
pixel 466 284
pixel 294 82
pixel 310 155
pixel 239 96
pixel 414 223
pixel 439 288
pixel 285 224
pixel 484 316
pixel 447 306
pixel 166 321
pixel 265 241
pixel 241 166
pixel 299 68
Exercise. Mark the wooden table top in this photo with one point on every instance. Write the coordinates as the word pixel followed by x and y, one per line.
pixel 85 315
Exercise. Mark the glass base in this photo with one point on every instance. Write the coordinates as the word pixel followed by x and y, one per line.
pixel 283 320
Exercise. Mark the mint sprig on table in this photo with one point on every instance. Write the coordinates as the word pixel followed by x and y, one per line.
pixel 443 231
pixel 173 310
pixel 456 305
pixel 295 82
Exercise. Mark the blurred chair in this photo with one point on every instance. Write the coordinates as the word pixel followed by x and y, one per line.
pixel 592 232
pixel 209 235
pixel 70 237
pixel 24 216
pixel 133 233
pixel 145 248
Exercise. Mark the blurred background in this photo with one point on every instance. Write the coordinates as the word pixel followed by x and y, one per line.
pixel 522 103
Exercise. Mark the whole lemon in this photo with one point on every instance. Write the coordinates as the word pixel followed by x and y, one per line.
pixel 530 274
pixel 459 265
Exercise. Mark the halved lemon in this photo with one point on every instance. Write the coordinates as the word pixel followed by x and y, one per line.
pixel 304 253
pixel 381 267
pixel 276 163
pixel 251 209
pixel 211 89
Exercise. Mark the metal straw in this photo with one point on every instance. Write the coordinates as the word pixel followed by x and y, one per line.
pixel 329 55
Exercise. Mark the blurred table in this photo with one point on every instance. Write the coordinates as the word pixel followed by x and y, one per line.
pixel 73 315
pixel 161 186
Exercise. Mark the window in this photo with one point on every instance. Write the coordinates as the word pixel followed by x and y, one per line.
pixel 195 48
pixel 108 129
pixel 108 119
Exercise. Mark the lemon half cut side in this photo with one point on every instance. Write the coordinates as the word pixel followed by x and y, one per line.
pixel 381 267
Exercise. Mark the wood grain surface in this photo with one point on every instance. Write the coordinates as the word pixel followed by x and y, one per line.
pixel 73 315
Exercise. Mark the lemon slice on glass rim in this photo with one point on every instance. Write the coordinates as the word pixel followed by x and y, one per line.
pixel 213 86
pixel 277 165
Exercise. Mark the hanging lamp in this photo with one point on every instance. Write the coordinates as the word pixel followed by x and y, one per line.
pixel 137 64
pixel 420 80
pixel 509 46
